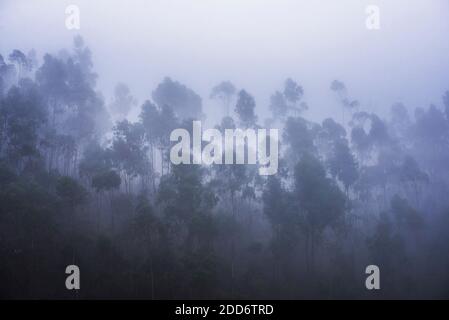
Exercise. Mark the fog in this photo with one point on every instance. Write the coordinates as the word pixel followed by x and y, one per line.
pixel 256 44
pixel 136 149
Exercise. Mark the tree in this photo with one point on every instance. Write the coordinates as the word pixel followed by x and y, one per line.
pixel 7 75
pixel 106 181
pixel 400 121
pixel 320 201
pixel 224 92
pixel 67 84
pixel 446 104
pixel 410 173
pixel 369 143
pixel 300 136
pixel 187 203
pixel 278 105
pixel 123 101
pixel 52 79
pixel 245 109
pixel 128 151
pixel 342 93
pixel 158 124
pixel 430 138
pixel 281 103
pixel 405 215
pixel 2 82
pixel 22 62
pixel 63 152
pixel 70 192
pixel 387 248
pixel 212 230
pixel 342 164
pixel 293 94
pixel 147 236
pixel 72 195
pixel 95 160
pixel 22 114
pixel 292 91
pixel 338 156
pixel 30 233
pixel 183 101
pixel 183 194
pixel 282 213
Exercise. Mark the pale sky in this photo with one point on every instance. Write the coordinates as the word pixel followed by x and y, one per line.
pixel 254 43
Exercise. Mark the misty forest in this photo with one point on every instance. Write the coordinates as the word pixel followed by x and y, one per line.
pixel 81 183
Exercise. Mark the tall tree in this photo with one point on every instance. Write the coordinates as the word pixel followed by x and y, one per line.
pixel 320 201
pixel 22 114
pixel 128 151
pixel 224 91
pixel 346 102
pixel 245 109
pixel 123 101
pixel 183 101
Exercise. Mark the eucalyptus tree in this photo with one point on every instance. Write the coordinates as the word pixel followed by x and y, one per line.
pixel 346 102
pixel 244 109
pixel 8 74
pixel 158 122
pixel 184 102
pixel 123 101
pixel 320 202
pixel 337 154
pixel 299 135
pixel 22 115
pixel 129 151
pixel 225 92
pixel 22 63
pixel 187 204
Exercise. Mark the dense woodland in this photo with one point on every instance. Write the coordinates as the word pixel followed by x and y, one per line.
pixel 80 184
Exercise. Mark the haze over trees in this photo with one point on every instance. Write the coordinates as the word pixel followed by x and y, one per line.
pixel 81 183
